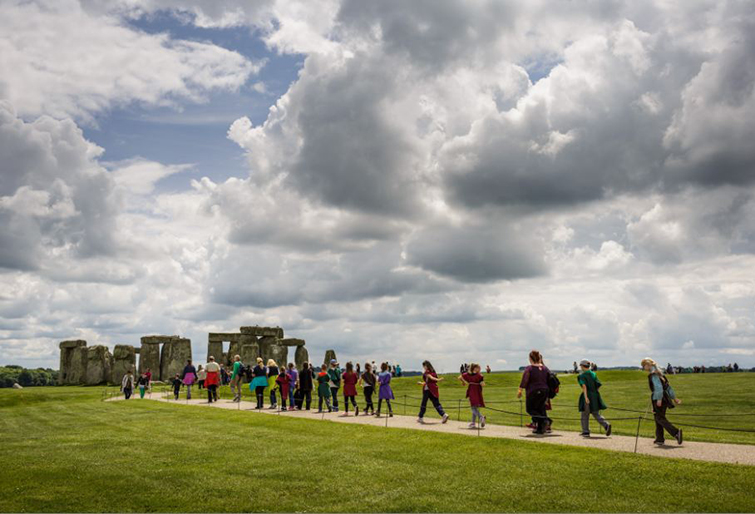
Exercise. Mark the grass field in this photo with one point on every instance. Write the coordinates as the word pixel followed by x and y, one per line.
pixel 724 400
pixel 64 450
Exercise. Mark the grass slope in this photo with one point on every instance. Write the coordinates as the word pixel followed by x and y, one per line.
pixel 63 450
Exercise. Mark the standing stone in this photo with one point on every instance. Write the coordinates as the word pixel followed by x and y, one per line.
pixel 279 354
pixel 149 358
pixel 249 354
pixel 99 365
pixel 176 351
pixel 329 356
pixel 124 359
pixel 66 357
pixel 215 349
pixel 78 369
pixel 301 356
pixel 266 347
pixel 234 349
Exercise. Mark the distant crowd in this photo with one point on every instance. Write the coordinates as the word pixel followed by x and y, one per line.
pixel 675 370
pixel 293 389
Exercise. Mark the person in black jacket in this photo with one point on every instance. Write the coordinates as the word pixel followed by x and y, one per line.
pixel 304 384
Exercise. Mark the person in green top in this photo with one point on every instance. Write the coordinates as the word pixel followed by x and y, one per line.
pixel 323 387
pixel 236 379
pixel 335 382
pixel 590 401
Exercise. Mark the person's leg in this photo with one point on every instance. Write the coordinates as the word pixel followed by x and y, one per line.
pixel 346 404
pixel 308 398
pixel 540 398
pixel 600 419
pixel 327 402
pixel 380 405
pixel 291 402
pixel 209 394
pixel 141 392
pixel 283 402
pixel 423 406
pixel 390 408
pixel 437 405
pixel 475 414
pixel 369 407
pixel 662 422
pixel 585 421
pixel 188 392
pixel 320 399
pixel 334 395
pixel 215 392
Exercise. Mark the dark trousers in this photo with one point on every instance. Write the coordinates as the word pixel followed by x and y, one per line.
pixel 127 392
pixel 380 404
pixel 368 392
pixel 427 395
pixel 212 393
pixel 536 401
pixel 347 399
pixel 334 395
pixel 260 392
pixel 176 391
pixel 661 423
pixel 306 399
pixel 327 402
pixel 283 402
pixel 200 384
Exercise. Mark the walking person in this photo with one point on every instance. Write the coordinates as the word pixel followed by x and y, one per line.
pixel 127 384
pixel 212 379
pixel 293 378
pixel 201 377
pixel 189 376
pixel 474 381
pixel 323 388
pixel 176 381
pixel 430 392
pixel 535 383
pixel 662 398
pixel 306 380
pixel 141 382
pixel 350 379
pixel 335 382
pixel 385 392
pixel 236 378
pixel 368 381
pixel 272 377
pixel 282 383
pixel 259 382
pixel 590 401
pixel 148 373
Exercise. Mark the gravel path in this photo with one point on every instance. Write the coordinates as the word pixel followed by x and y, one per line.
pixel 713 452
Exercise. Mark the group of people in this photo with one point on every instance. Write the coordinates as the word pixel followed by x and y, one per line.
pixel 729 368
pixel 294 388
pixel 129 382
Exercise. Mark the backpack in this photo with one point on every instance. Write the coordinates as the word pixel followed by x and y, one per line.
pixel 553 384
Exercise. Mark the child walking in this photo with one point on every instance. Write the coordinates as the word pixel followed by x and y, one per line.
pixel 590 401
pixel 350 380
pixel 323 388
pixel 282 382
pixel 430 392
pixel 177 385
pixel 385 393
pixel 142 383
pixel 259 382
pixel 475 381
pixel 368 380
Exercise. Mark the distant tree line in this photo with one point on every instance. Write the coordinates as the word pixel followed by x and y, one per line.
pixel 12 374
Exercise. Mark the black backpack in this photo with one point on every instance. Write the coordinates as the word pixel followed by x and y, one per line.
pixel 246 372
pixel 553 384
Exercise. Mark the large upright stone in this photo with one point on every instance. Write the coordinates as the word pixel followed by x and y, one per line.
pixel 249 353
pixel 99 365
pixel 279 354
pixel 266 347
pixel 77 372
pixel 66 358
pixel 234 349
pixel 176 351
pixel 329 356
pixel 215 349
pixel 149 357
pixel 301 356
pixel 124 359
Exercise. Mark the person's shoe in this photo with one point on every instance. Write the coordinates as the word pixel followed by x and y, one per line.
pixel 444 418
pixel 548 429
pixel 272 407
pixel 330 410
pixel 609 428
pixel 679 436
pixel 482 423
pixel 472 425
pixel 531 426
pixel 377 414
pixel 585 434
pixel 292 408
pixel 356 411
pixel 659 443
pixel 319 411
pixel 420 421
pixel 390 414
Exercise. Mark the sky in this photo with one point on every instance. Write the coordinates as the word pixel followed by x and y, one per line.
pixel 449 180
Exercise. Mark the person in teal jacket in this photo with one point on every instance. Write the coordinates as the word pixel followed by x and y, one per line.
pixel 662 397
pixel 334 373
pixel 590 401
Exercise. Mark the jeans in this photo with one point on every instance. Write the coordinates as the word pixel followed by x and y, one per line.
pixel 327 402
pixel 141 391
pixel 352 399
pixel 200 384
pixel 380 404
pixel 536 401
pixel 127 392
pixel 212 393
pixel 291 396
pixel 586 420
pixel 260 392
pixel 236 387
pixel 427 395
pixel 476 414
pixel 659 413
pixel 283 402
pixel 188 391
pixel 334 395
pixel 176 391
pixel 273 398
pixel 368 392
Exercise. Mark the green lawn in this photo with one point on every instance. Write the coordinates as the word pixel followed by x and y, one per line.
pixel 64 450
pixel 721 399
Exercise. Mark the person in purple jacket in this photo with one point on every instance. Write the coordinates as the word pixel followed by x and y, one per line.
pixel 293 378
pixel 385 393
pixel 535 382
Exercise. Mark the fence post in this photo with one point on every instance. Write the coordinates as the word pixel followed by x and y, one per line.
pixel 404 405
pixel 458 416
pixel 637 436
pixel 521 415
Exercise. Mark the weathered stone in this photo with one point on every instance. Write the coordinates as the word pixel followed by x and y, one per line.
pixel 266 347
pixel 99 365
pixel 258 331
pixel 149 358
pixel 16 385
pixel 215 349
pixel 66 356
pixel 279 354
pixel 234 349
pixel 249 353
pixel 291 341
pixel 221 337
pixel 175 353
pixel 301 356
pixel 124 359
pixel 329 356
pixel 78 368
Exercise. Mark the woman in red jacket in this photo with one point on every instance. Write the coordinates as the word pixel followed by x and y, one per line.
pixel 350 380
